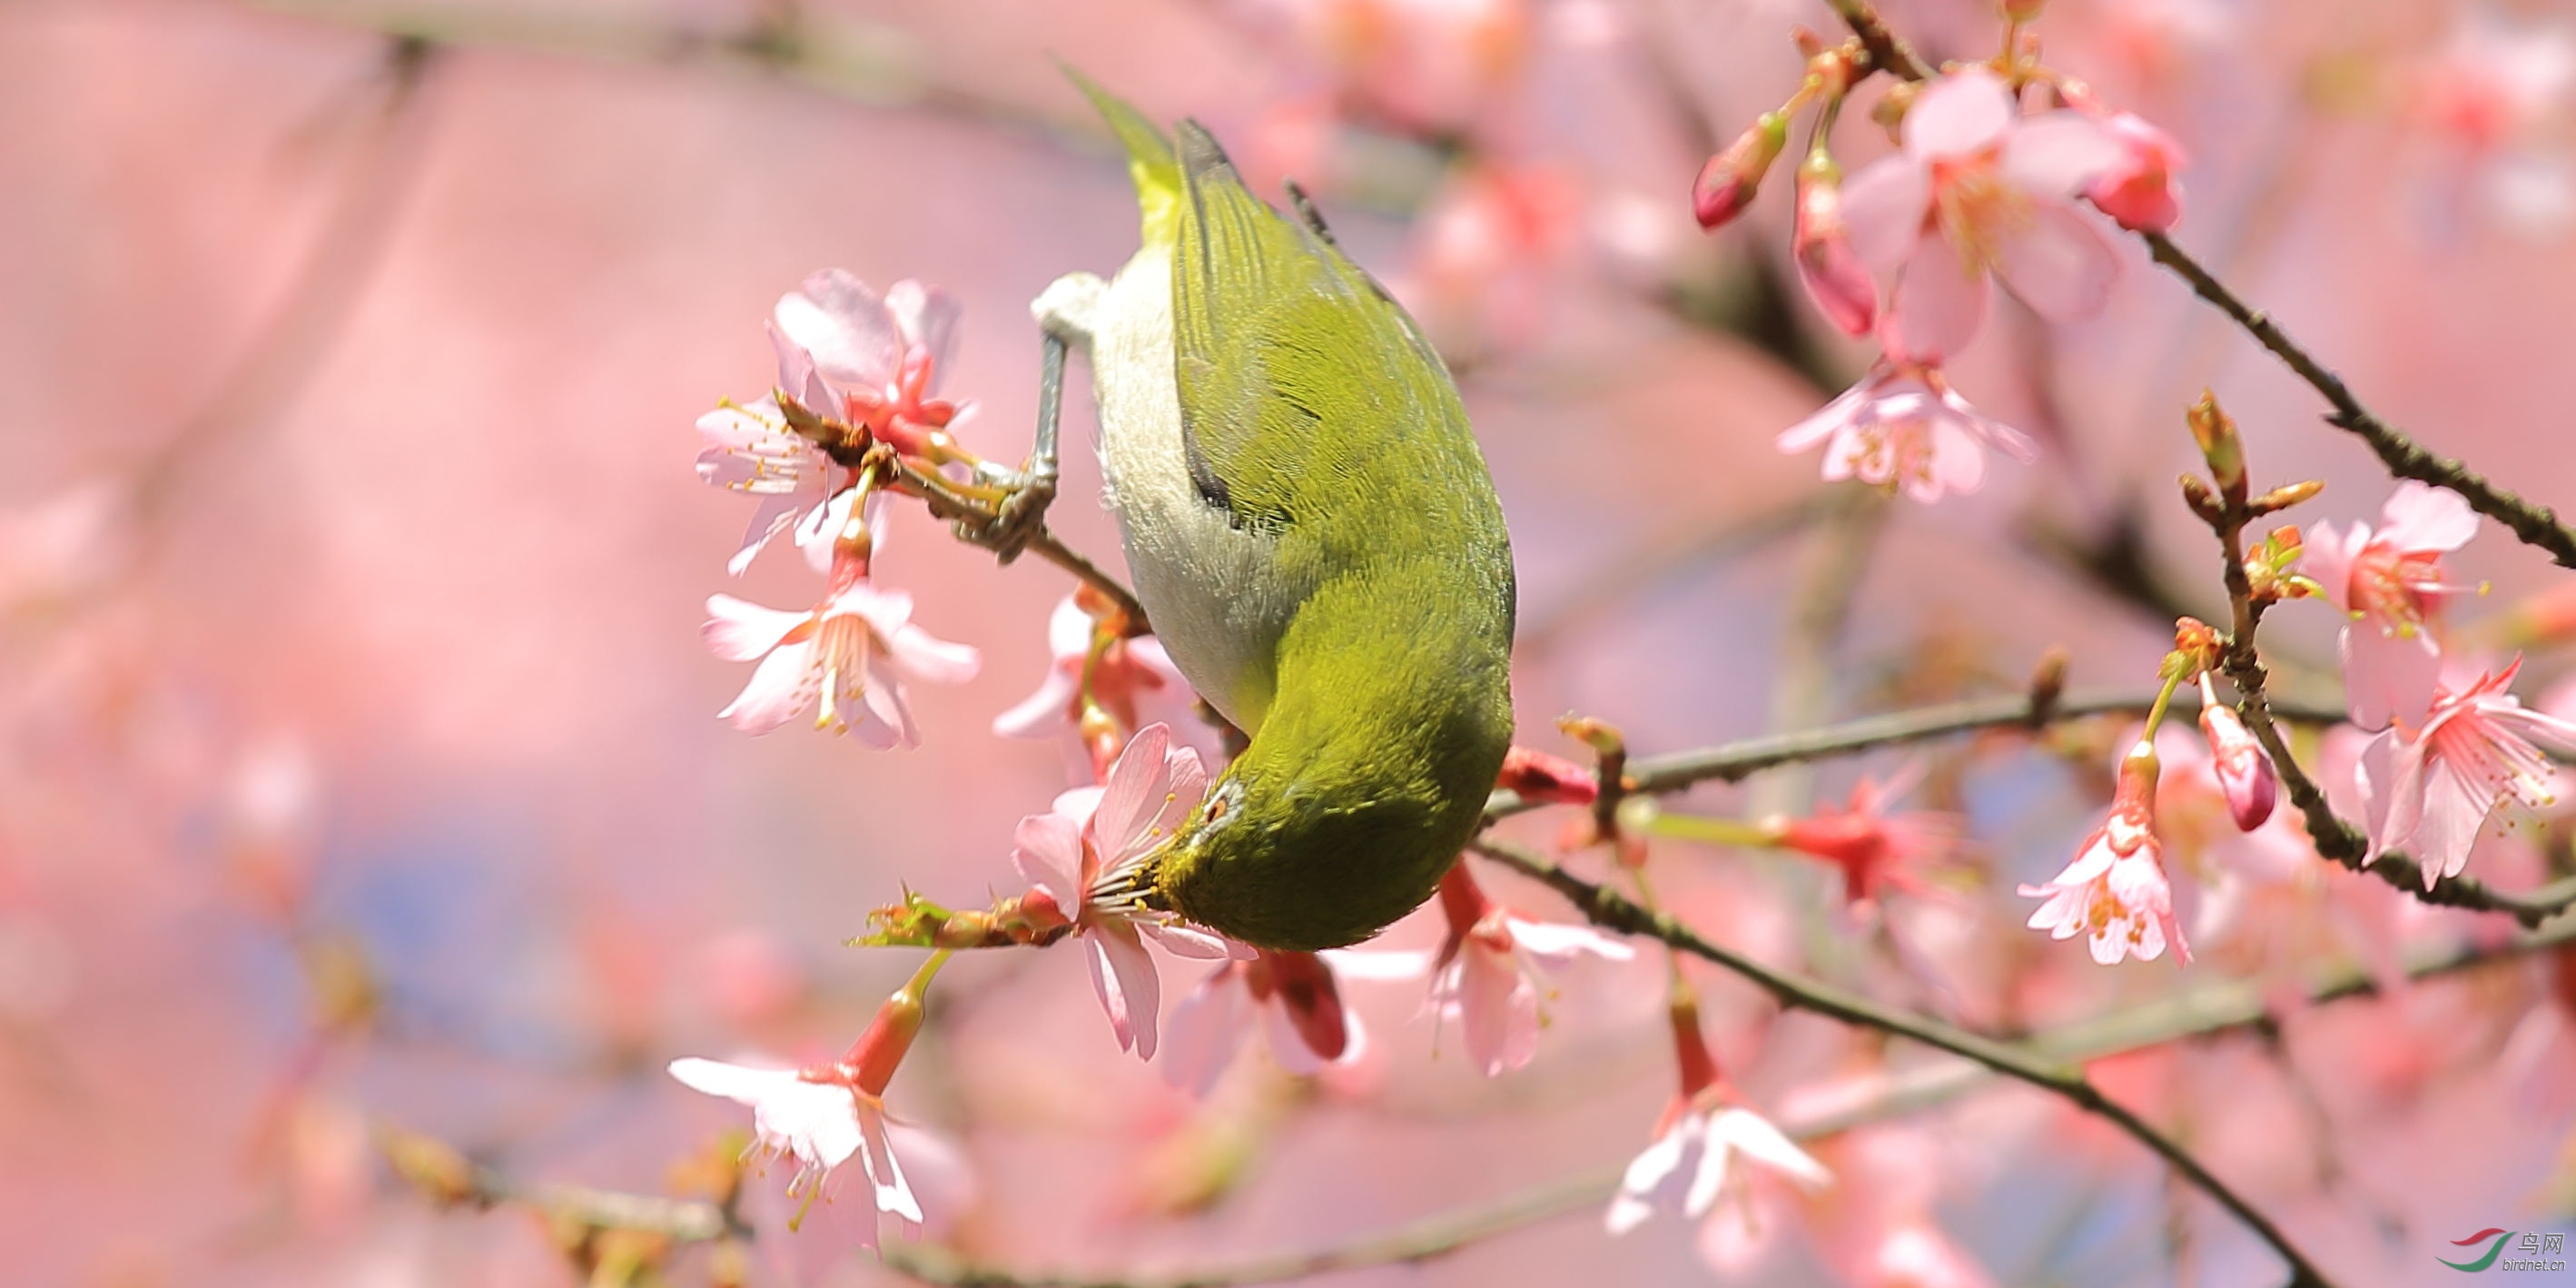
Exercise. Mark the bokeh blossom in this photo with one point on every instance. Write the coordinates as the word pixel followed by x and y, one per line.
pixel 2116 891
pixel 846 661
pixel 819 1120
pixel 1978 190
pixel 2433 784
pixel 1699 1147
pixel 1294 998
pixel 1904 428
pixel 1096 833
pixel 1876 848
pixel 1130 682
pixel 1489 967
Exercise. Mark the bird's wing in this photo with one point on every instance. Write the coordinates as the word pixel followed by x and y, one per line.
pixel 1274 333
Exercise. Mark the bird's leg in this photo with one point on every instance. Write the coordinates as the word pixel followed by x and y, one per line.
pixel 1063 312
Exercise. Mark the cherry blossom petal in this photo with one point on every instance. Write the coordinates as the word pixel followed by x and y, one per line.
pixel 1042 713
pixel 1828 420
pixel 2058 263
pixel 1649 1174
pixel 1497 1010
pixel 1047 849
pixel 1131 797
pixel 1765 1144
pixel 929 659
pixel 2421 517
pixel 2329 555
pixel 893 1194
pixel 885 720
pixel 1939 304
pixel 784 684
pixel 1559 943
pixel 738 631
pixel 1957 114
pixel 2056 154
pixel 1884 204
pixel 1124 977
pixel 1207 1026
pixel 928 318
pixel 2387 677
pixel 845 325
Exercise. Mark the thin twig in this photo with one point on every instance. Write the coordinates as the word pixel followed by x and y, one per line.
pixel 2536 525
pixel 972 516
pixel 1609 910
pixel 1733 761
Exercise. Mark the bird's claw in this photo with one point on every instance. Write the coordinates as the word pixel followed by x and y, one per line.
pixel 1020 517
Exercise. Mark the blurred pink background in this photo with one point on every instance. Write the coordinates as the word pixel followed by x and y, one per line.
pixel 361 760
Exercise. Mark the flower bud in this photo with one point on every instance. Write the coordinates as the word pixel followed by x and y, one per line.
pixel 2287 495
pixel 2245 773
pixel 2138 190
pixel 1728 182
pixel 2219 445
pixel 1828 267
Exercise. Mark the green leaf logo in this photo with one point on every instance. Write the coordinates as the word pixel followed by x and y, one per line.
pixel 2501 1237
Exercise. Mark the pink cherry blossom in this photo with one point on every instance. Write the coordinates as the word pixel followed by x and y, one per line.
pixel 2116 890
pixel 847 661
pixel 2243 768
pixel 1486 973
pixel 1133 682
pixel 2430 787
pixel 820 1121
pixel 1977 189
pixel 751 449
pixel 1876 849
pixel 1903 427
pixel 1097 833
pixel 1294 997
pixel 1694 1157
pixel 2392 584
pixel 867 360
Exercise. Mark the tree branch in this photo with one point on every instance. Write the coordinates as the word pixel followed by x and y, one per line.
pixel 1607 909
pixel 1733 761
pixel 2537 525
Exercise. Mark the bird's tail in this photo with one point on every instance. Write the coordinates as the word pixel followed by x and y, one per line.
pixel 1151 163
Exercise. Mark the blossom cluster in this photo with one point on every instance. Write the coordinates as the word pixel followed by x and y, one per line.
pixel 1979 193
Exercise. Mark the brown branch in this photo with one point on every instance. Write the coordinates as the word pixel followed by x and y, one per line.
pixel 1732 761
pixel 2537 525
pixel 1607 909
pixel 973 517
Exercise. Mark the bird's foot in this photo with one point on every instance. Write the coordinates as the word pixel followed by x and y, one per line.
pixel 1020 517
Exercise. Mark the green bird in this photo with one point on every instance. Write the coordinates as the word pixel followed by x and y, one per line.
pixel 1313 532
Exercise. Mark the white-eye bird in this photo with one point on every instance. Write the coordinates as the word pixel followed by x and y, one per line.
pixel 1315 537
